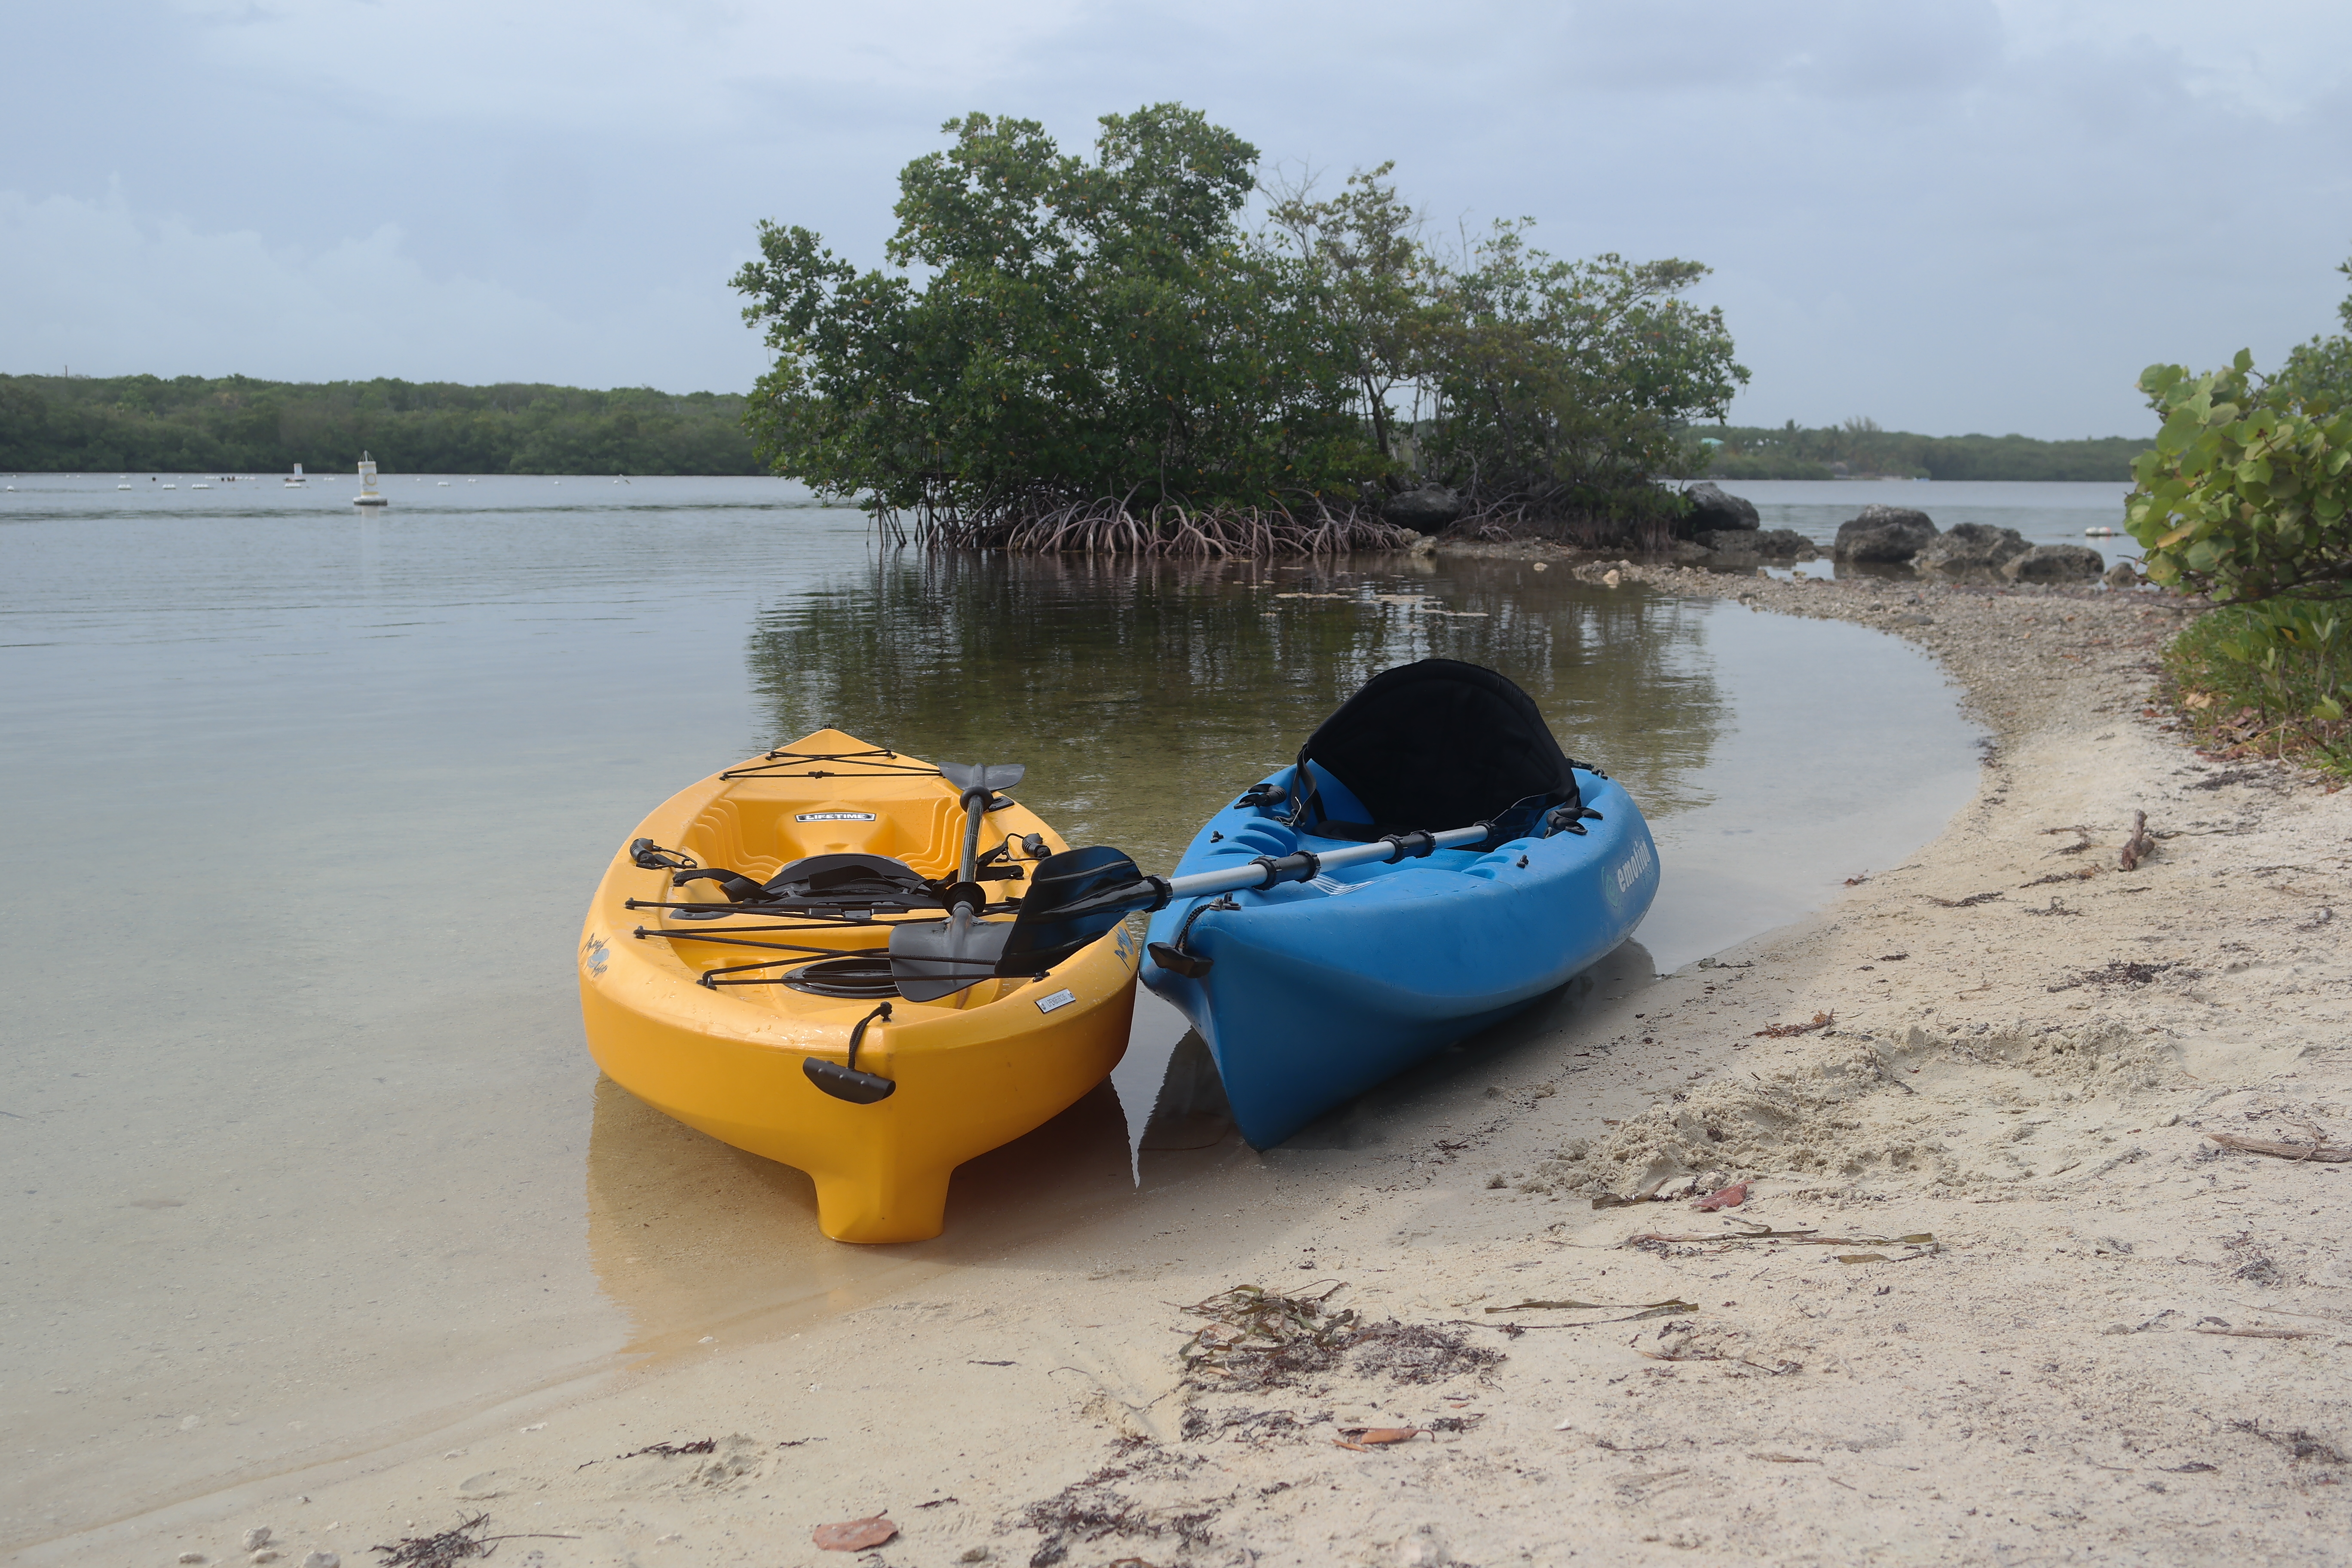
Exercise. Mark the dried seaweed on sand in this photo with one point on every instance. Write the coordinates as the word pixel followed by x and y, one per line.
pixel 452 1546
pixel 1256 1339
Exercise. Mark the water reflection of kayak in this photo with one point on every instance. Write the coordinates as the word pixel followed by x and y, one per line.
pixel 803 956
pixel 1309 992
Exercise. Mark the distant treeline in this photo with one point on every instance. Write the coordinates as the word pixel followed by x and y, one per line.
pixel 189 425
pixel 1859 448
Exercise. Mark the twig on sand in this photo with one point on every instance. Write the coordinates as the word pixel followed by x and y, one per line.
pixel 2326 1154
pixel 2139 846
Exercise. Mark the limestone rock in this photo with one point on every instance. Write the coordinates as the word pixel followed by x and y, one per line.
pixel 1970 547
pixel 323 1560
pixel 1887 534
pixel 2055 563
pixel 1778 543
pixel 1424 510
pixel 2121 575
pixel 1711 510
pixel 255 1539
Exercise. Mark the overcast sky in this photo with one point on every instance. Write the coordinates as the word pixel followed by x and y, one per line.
pixel 1966 215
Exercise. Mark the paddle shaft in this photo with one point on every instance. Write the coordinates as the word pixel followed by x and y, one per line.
pixel 975 804
pixel 1302 866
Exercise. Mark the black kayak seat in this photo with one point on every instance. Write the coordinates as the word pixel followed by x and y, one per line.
pixel 1433 745
pixel 823 880
pixel 847 876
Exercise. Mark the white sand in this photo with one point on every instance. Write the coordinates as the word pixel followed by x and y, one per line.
pixel 2122 1343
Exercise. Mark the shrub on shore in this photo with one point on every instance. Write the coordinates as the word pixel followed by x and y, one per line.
pixel 2247 498
pixel 2268 681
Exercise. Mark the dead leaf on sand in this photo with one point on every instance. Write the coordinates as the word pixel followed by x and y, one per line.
pixel 1363 1439
pixel 854 1534
pixel 1730 1197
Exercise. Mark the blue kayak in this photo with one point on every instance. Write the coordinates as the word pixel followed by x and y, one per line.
pixel 1310 993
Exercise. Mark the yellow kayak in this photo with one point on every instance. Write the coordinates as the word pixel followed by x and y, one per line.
pixel 814 956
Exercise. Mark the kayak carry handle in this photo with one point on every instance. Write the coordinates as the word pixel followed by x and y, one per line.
pixel 845 1081
pixel 1176 960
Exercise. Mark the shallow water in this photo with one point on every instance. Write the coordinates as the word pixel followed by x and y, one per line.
pixel 304 1151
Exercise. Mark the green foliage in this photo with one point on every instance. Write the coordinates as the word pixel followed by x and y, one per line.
pixel 1086 330
pixel 1858 447
pixel 1561 387
pixel 1373 280
pixel 189 424
pixel 2245 496
pixel 2322 368
pixel 1109 329
pixel 2271 678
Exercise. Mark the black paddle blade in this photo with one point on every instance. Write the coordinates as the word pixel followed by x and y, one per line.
pixel 1075 899
pixel 847 1083
pixel 989 776
pixel 932 959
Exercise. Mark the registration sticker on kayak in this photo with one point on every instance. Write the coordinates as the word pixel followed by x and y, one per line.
pixel 834 817
pixel 1058 999
pixel 1635 863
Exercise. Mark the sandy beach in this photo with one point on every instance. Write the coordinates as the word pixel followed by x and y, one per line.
pixel 1995 1292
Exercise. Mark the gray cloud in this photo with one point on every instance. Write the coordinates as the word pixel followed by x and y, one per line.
pixel 1953 217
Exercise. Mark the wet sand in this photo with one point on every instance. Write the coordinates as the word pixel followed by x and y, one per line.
pixel 2037 1314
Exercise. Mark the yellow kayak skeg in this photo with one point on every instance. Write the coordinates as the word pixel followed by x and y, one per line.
pixel 711 1013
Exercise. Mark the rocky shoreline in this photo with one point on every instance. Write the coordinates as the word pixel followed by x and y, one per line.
pixel 2012 1276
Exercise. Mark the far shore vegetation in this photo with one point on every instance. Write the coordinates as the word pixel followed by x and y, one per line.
pixel 2247 499
pixel 55 424
pixel 1858 448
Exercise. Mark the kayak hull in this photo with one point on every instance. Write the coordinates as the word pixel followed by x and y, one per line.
pixel 971 1071
pixel 1319 991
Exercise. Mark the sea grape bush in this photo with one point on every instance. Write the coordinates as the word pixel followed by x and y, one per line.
pixel 2245 498
pixel 2245 493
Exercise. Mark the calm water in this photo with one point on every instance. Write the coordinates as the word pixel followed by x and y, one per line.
pixel 303 1152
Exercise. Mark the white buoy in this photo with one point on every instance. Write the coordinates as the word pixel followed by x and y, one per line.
pixel 368 496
